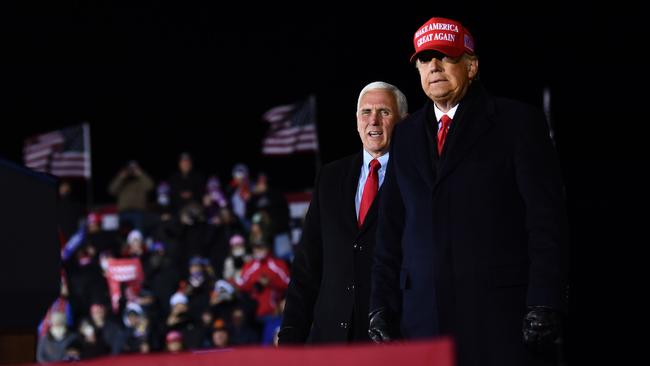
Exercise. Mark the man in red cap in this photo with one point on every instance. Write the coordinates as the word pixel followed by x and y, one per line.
pixel 471 240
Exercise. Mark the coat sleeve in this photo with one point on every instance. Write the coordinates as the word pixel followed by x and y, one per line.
pixel 250 274
pixel 385 287
pixel 146 181
pixel 540 185
pixel 116 184
pixel 306 273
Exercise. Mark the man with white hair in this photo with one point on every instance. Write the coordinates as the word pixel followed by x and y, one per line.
pixel 330 280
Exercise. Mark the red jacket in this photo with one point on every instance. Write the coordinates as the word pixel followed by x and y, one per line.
pixel 267 295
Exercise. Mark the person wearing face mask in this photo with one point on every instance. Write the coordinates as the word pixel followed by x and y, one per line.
pixel 238 257
pixel 105 327
pixel 199 286
pixel 265 279
pixel 91 344
pixel 223 299
pixel 162 206
pixel 197 274
pixel 53 345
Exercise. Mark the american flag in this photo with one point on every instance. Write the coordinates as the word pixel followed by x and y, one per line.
pixel 64 153
pixel 293 128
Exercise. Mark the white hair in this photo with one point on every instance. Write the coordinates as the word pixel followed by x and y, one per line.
pixel 400 98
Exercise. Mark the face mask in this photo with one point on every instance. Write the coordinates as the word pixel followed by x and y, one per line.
pixel 87 330
pixel 58 332
pixel 196 279
pixel 163 200
pixel 238 252
pixel 84 260
pixel 103 262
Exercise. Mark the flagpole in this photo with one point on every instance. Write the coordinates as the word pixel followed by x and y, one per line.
pixel 88 172
pixel 317 160
pixel 547 112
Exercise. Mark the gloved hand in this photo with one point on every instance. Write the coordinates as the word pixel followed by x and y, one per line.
pixel 378 329
pixel 289 336
pixel 541 327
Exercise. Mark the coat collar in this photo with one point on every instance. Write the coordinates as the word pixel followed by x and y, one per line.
pixel 349 185
pixel 472 120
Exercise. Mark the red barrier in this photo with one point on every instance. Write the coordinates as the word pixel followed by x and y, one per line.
pixel 430 353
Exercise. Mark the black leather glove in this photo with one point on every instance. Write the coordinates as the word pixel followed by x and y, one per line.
pixel 378 330
pixel 289 336
pixel 541 328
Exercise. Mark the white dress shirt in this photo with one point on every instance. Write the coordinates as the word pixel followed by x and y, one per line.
pixel 440 113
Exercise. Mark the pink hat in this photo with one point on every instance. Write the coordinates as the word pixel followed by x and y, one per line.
pixel 174 336
pixel 443 35
pixel 236 240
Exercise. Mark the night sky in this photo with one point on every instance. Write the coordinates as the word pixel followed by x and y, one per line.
pixel 155 79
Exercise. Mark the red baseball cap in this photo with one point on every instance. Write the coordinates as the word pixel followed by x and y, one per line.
pixel 443 35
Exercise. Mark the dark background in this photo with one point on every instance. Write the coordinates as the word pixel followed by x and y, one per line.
pixel 156 78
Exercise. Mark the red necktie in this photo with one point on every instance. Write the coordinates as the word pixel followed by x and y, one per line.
pixel 369 190
pixel 442 132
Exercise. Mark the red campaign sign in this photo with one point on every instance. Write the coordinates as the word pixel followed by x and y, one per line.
pixel 127 271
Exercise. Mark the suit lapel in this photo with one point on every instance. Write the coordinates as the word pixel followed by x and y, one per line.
pixel 471 122
pixel 426 147
pixel 349 188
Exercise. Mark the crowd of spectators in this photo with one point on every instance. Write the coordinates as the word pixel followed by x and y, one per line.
pixel 193 264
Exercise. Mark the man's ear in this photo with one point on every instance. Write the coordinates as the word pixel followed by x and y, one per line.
pixel 472 68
